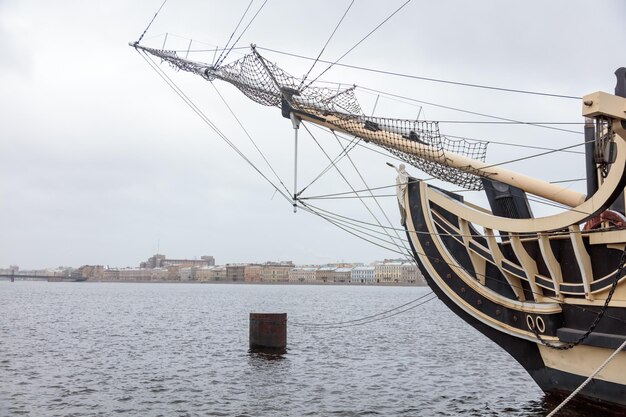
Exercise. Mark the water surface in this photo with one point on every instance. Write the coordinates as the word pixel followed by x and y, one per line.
pixel 101 349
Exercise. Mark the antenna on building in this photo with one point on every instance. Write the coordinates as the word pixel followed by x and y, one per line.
pixel 158 245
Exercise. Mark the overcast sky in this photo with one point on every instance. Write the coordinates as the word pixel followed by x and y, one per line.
pixel 100 163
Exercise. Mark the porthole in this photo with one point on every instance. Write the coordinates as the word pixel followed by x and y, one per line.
pixel 541 325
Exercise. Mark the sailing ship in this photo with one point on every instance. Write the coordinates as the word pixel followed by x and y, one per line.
pixel 548 290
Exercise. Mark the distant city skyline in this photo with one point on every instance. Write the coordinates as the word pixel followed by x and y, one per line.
pixel 160 268
pixel 159 259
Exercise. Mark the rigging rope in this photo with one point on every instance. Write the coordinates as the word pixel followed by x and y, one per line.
pixel 368 319
pixel 353 143
pixel 149 24
pixel 416 77
pixel 358 43
pixel 569 180
pixel 351 222
pixel 325 45
pixel 347 197
pixel 205 119
pixel 537 155
pixel 588 380
pixel 519 145
pixel 469 111
pixel 233 34
pixel 217 64
pixel 360 144
pixel 350 185
pixel 251 140
pixel 346 229
pixel 498 235
pixel 377 202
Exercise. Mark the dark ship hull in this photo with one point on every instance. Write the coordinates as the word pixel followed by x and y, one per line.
pixel 486 281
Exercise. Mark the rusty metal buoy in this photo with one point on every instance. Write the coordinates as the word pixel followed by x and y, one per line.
pixel 268 332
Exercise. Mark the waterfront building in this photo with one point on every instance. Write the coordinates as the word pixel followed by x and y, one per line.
pixel 173 272
pixel 252 273
pixel 187 273
pixel 218 273
pixel 208 259
pixel 325 274
pixel 91 272
pixel 276 271
pixel 204 274
pixel 363 275
pixel 235 272
pixel 302 274
pixel 342 274
pixel 159 274
pixel 132 274
pixel 410 274
pixel 110 274
pixel 155 261
pixel 159 260
pixel 388 272
pixel 12 269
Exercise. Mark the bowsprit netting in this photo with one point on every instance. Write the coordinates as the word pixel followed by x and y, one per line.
pixel 418 143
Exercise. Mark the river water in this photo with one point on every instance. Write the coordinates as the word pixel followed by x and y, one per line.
pixel 103 349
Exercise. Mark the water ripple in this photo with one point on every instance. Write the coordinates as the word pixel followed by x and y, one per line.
pixel 94 349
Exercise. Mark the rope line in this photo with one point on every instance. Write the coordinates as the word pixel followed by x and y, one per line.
pixel 537 200
pixel 355 223
pixel 251 140
pixel 383 187
pixel 377 202
pixel 349 184
pixel 325 45
pixel 369 319
pixel 537 155
pixel 241 34
pixel 518 145
pixel 150 24
pixel 206 120
pixel 505 119
pixel 358 43
pixel 354 142
pixel 347 229
pixel 233 34
pixel 499 235
pixel 351 197
pixel 588 380
pixel 506 122
pixel 417 77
